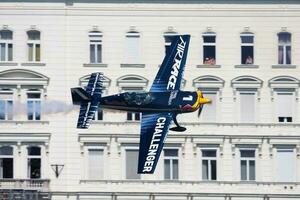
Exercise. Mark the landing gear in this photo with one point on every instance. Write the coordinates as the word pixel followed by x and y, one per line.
pixel 177 128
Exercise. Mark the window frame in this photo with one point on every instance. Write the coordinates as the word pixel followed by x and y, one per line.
pixel 209 159
pixel 6 43
pixel 95 39
pixel 9 156
pixel 293 96
pixel 6 115
pixel 128 58
pixel 126 148
pixel 29 157
pixel 87 147
pixel 34 104
pixel 247 159
pixel 34 46
pixel 255 96
pixel 245 34
pixel 284 47
pixel 171 158
pixel 209 44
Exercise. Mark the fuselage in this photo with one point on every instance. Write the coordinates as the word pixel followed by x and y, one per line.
pixel 170 101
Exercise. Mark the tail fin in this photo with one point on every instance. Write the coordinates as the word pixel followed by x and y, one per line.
pixel 88 99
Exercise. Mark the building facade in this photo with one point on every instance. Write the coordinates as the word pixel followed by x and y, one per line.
pixel 245 57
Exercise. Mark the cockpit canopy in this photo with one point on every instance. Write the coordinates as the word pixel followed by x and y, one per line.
pixel 138 98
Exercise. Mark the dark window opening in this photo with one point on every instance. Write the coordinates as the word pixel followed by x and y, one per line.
pixel 209 55
pixel 34 167
pixel 6 166
pixel 247 55
pixel 285 119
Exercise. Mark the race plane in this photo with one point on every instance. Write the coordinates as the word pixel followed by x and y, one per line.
pixel 159 106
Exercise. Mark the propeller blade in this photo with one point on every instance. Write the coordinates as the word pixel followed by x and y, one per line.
pixel 200 110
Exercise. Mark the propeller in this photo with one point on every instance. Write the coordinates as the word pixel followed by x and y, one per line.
pixel 200 109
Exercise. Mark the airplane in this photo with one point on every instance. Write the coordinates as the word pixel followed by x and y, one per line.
pixel 159 106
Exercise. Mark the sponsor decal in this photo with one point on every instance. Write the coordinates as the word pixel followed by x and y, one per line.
pixel 176 65
pixel 159 127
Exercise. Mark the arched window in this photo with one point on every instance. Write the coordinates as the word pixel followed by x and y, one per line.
pixel 95 46
pixel 246 92
pixel 132 47
pixel 34 162
pixel 209 48
pixel 247 48
pixel 6 45
pixel 6 162
pixel 284 48
pixel 34 45
pixel 284 95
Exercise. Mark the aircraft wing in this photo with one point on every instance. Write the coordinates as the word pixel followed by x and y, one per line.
pixel 154 129
pixel 170 74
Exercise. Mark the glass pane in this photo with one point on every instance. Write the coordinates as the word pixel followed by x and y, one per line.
pixel 243 170
pixel 30 52
pixel 167 169
pixel 247 55
pixel 209 55
pixel 100 115
pixel 171 152
pixel 129 116
pixel 284 38
pixel 251 170
pixel 6 35
pixel 288 55
pixel 247 39
pixel 247 153
pixel 35 167
pixel 2 51
pixel 33 95
pixel 9 110
pixel 6 150
pixel 204 169
pixel 99 53
pixel 175 169
pixel 10 52
pixel 137 116
pixel 7 167
pixel 280 54
pixel 131 164
pixel 209 39
pixel 213 164
pixel 33 35
pixel 34 151
pixel 37 110
pixel 2 110
pixel 209 153
pixel 92 53
pixel 30 110
pixel 37 52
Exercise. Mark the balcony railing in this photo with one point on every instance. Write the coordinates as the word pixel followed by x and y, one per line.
pixel 25 184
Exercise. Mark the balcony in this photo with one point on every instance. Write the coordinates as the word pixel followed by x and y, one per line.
pixel 41 185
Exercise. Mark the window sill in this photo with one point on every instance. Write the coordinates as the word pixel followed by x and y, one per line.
pixel 284 66
pixel 250 66
pixel 8 64
pixel 38 64
pixel 23 122
pixel 208 66
pixel 133 65
pixel 94 65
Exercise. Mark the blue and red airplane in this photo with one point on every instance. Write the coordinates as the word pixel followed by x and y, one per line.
pixel 159 106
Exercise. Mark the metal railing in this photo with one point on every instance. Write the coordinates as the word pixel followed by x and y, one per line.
pixel 25 184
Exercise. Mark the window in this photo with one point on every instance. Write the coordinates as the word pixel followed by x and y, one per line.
pixel 209 48
pixel 209 110
pixel 132 163
pixel 247 48
pixel 284 106
pixel 6 46
pixel 6 105
pixel 171 169
pixel 247 107
pixel 132 116
pixel 34 162
pixel 209 164
pixel 95 164
pixel 98 115
pixel 168 41
pixel 6 162
pixel 34 106
pixel 95 47
pixel 247 165
pixel 132 47
pixel 286 165
pixel 284 48
pixel 34 46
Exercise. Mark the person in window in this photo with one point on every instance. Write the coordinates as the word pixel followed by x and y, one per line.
pixel 35 173
pixel 249 60
pixel 209 61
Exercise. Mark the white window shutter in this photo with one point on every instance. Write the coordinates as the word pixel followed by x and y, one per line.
pixel 132 49
pixel 284 104
pixel 131 164
pixel 247 107
pixel 209 110
pixel 95 164
pixel 285 165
